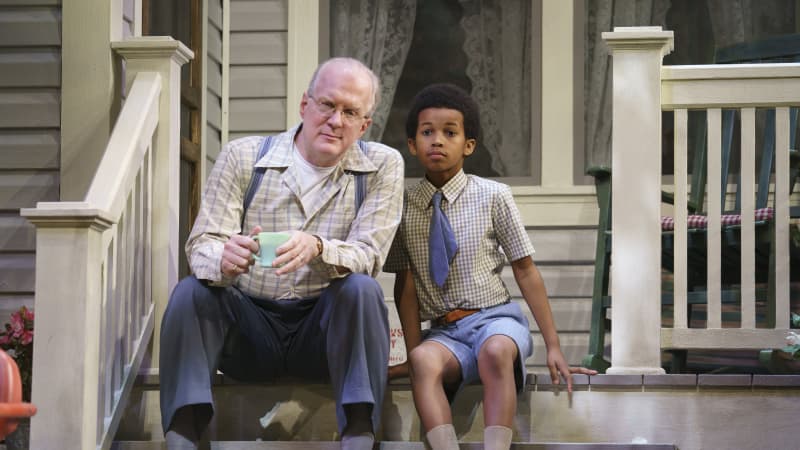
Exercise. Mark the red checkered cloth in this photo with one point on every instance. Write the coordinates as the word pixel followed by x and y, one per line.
pixel 697 221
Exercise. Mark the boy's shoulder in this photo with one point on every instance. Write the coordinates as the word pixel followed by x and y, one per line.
pixel 485 185
pixel 486 182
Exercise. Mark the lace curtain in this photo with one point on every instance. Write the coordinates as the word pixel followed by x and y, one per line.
pixel 735 21
pixel 497 45
pixel 378 33
pixel 604 15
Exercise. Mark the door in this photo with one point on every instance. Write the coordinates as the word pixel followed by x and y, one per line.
pixel 182 19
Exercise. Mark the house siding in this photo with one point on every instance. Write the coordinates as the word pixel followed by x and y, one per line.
pixel 214 61
pixel 258 67
pixel 30 103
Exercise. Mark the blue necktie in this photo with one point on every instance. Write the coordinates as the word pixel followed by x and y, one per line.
pixel 442 242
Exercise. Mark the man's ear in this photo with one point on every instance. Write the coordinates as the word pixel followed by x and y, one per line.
pixel 364 127
pixel 303 105
pixel 412 146
pixel 469 146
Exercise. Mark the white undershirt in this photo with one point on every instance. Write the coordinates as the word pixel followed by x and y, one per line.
pixel 310 177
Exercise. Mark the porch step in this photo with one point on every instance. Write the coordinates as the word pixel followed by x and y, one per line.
pixel 328 445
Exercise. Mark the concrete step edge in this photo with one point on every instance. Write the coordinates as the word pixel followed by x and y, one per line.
pixel 391 445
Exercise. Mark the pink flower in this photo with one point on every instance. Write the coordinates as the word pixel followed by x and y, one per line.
pixel 16 338
pixel 17 325
pixel 27 337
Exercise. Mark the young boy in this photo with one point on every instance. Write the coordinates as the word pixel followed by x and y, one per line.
pixel 476 331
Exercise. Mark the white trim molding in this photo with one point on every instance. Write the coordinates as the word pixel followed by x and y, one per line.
pixel 302 54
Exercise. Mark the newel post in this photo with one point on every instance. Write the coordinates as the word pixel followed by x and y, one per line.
pixel 637 54
pixel 66 350
pixel 165 56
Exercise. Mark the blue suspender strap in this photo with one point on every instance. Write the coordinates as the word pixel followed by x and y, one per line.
pixel 361 179
pixel 255 178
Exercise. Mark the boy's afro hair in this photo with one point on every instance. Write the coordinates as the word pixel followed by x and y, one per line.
pixel 445 95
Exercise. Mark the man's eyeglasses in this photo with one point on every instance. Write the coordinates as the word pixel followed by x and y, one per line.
pixel 327 108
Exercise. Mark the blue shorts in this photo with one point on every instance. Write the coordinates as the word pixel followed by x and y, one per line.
pixel 465 337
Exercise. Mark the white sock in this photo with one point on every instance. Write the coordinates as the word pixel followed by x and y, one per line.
pixel 443 437
pixel 361 441
pixel 497 437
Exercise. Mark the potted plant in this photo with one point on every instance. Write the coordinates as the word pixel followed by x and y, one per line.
pixel 787 358
pixel 17 340
pixel 792 349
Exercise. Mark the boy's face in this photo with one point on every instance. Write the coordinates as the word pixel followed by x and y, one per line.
pixel 440 144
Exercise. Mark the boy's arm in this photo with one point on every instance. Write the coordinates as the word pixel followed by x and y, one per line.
pixel 405 297
pixel 532 286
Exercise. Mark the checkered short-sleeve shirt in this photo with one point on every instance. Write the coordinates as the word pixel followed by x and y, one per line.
pixel 488 229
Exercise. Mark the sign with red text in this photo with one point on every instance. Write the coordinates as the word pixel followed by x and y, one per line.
pixel 397 344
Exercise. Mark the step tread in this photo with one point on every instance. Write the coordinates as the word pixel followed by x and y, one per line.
pixel 393 445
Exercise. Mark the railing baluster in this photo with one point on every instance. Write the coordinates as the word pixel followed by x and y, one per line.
pixel 125 306
pixel 133 315
pixel 782 280
pixel 147 205
pixel 714 235
pixel 113 307
pixel 107 343
pixel 747 211
pixel 680 231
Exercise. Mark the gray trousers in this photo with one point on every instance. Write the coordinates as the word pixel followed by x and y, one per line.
pixel 341 337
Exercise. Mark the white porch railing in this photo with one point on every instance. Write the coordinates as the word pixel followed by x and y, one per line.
pixel 104 266
pixel 642 89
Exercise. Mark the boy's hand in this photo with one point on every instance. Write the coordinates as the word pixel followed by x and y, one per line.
pixel 398 371
pixel 558 365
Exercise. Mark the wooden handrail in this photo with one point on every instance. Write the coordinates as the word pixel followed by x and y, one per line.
pixel 120 164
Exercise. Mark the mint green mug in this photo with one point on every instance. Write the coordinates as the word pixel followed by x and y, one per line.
pixel 268 242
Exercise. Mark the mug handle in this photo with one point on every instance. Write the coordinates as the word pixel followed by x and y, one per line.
pixel 255 255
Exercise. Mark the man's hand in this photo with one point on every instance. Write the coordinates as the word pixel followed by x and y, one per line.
pixel 558 365
pixel 237 255
pixel 295 253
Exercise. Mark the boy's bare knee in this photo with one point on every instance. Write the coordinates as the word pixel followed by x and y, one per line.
pixel 428 359
pixel 497 353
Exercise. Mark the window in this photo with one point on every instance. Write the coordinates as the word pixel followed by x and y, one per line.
pixel 484 47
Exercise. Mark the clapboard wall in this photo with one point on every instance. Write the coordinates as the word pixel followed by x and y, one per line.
pixel 258 48
pixel 214 51
pixel 30 82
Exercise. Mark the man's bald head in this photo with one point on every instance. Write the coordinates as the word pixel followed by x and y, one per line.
pixel 352 64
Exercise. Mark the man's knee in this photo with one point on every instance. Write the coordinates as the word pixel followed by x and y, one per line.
pixel 360 295
pixel 192 298
pixel 360 288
